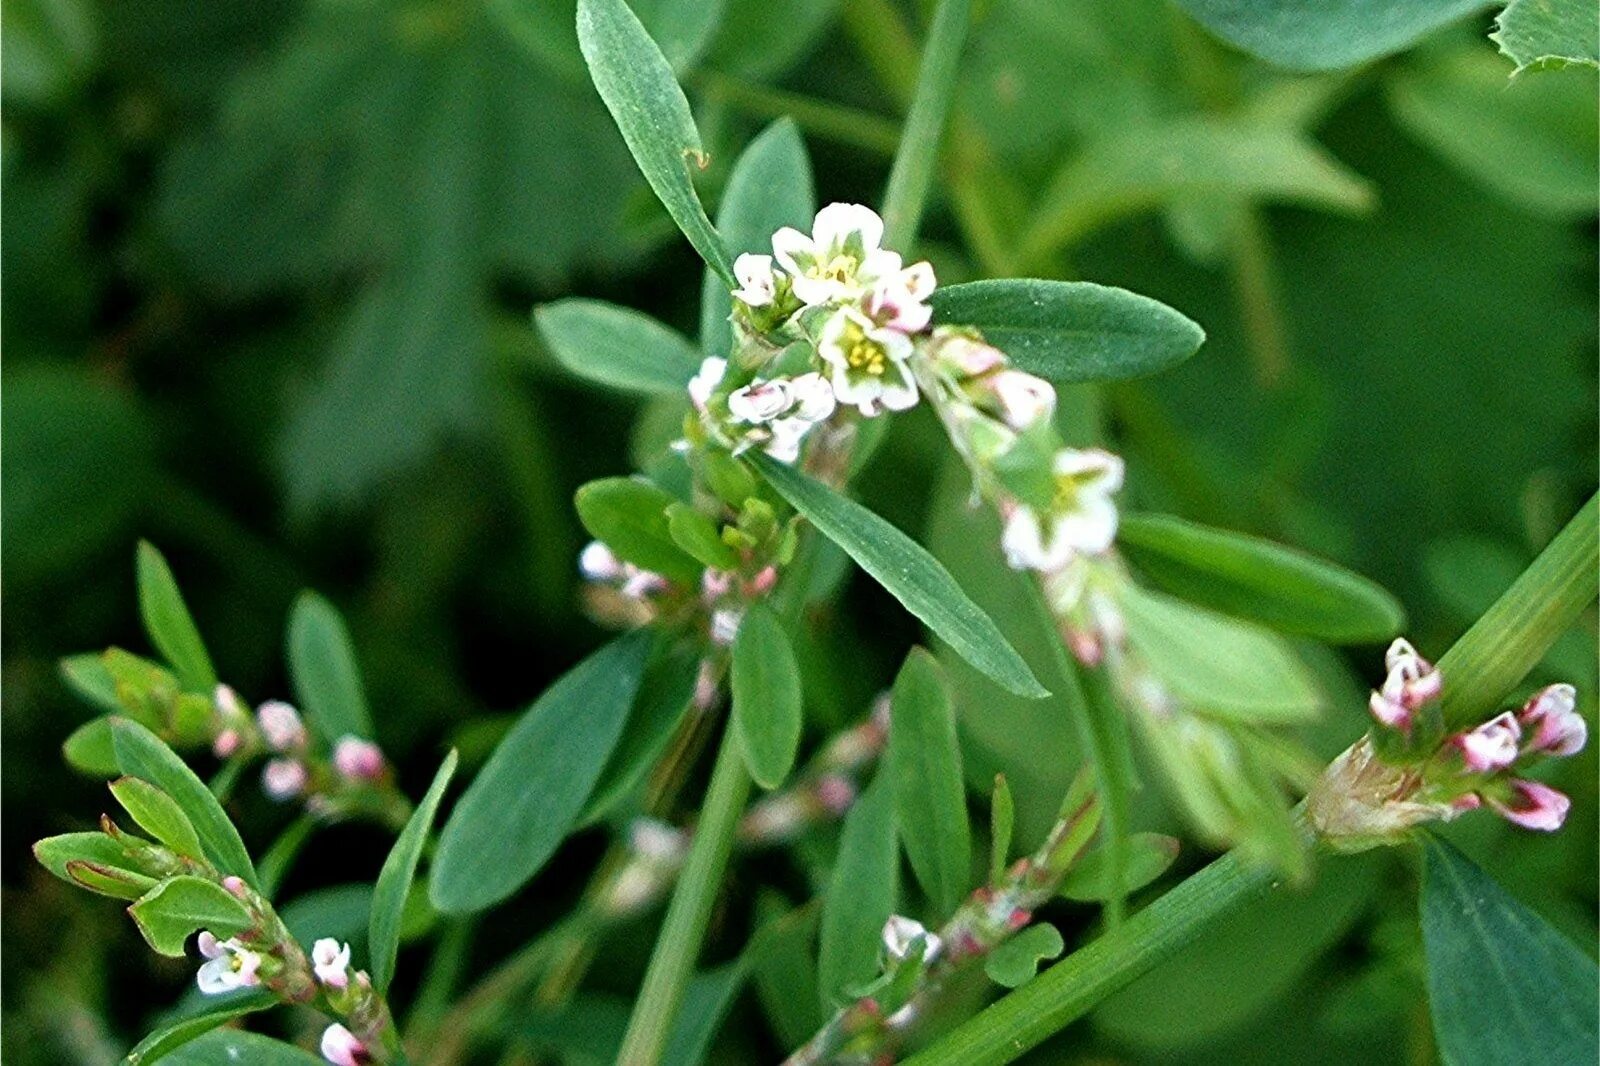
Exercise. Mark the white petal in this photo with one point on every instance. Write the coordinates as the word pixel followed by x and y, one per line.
pixel 793 250
pixel 813 397
pixel 835 223
pixel 1090 527
pixel 217 976
pixel 815 292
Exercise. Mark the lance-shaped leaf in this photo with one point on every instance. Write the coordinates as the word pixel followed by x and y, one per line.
pixel 88 749
pixel 1148 856
pixel 173 1035
pixel 915 578
pixel 167 621
pixel 664 697
pixel 861 895
pixel 512 817
pixel 394 880
pixel 142 754
pixel 1326 34
pixel 630 515
pixel 639 89
pixel 158 814
pixel 768 188
pixel 617 346
pixel 238 1046
pixel 1071 330
pixel 1505 988
pixel 94 861
pixel 766 697
pixel 322 663
pixel 925 772
pixel 1549 33
pixel 178 906
pixel 1250 578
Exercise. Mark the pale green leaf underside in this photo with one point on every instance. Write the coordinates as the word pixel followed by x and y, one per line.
pixel 1549 33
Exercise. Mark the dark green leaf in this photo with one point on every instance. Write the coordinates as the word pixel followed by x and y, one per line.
pixel 630 516
pixel 167 621
pixel 784 968
pixel 394 880
pixel 237 1046
pixel 168 1038
pixel 527 798
pixel 698 535
pixel 178 906
pixel 1250 578
pixel 1324 34
pixel 157 814
pixel 766 697
pixel 1015 962
pixel 1072 330
pixel 768 188
pixel 322 664
pixel 617 346
pixel 643 96
pixel 664 697
pixel 861 895
pixel 140 753
pixel 915 578
pixel 1505 988
pixel 88 677
pixel 1149 855
pixel 924 770
pixel 1549 33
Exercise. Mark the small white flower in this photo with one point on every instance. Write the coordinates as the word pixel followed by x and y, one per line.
pixel 283 779
pixel 705 382
pixel 840 259
pixel 281 725
pixel 1082 518
pixel 899 300
pixel 638 584
pixel 342 1048
pixel 811 401
pixel 1491 746
pixel 1558 729
pixel 758 285
pixel 229 965
pixel 358 759
pixel 760 401
pixel 656 840
pixel 1022 398
pixel 899 933
pixel 868 363
pixel 227 702
pixel 599 563
pixel 725 624
pixel 331 960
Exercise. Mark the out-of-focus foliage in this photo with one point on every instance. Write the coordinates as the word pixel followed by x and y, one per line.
pixel 268 273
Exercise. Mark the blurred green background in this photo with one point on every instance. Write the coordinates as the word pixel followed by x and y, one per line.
pixel 268 268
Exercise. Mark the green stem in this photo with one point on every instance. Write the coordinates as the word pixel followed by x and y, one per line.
pixel 1070 989
pixel 847 125
pixel 912 172
pixel 1255 286
pixel 689 913
pixel 1512 636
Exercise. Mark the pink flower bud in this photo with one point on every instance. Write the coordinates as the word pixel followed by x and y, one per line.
pixel 966 356
pixel 599 563
pixel 1469 802
pixel 1534 806
pixel 226 743
pixel 342 1048
pixel 283 779
pixel 1558 729
pixel 281 726
pixel 226 701
pixel 836 793
pixel 725 625
pixel 331 960
pixel 1023 398
pixel 762 583
pixel 1491 746
pixel 715 584
pixel 1411 682
pixel 235 885
pixel 357 759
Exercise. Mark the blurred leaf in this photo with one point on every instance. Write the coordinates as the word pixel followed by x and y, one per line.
pixel 1214 664
pixel 168 1038
pixel 168 623
pixel 762 38
pixel 768 188
pixel 1531 141
pixel 860 896
pixel 1072 330
pixel 394 880
pixel 140 753
pixel 629 515
pixel 1002 818
pixel 924 769
pixel 322 664
pixel 784 969
pixel 617 346
pixel 1324 34
pixel 339 911
pixel 86 675
pixel 640 90
pixel 88 749
pixel 526 799
pixel 1015 962
pixel 48 49
pixel 907 571
pixel 1504 987
pixel 237 1046
pixel 664 698
pixel 707 998
pixel 1149 855
pixel 698 535
pixel 170 912
pixel 1548 33
pixel 766 697
pixel 1254 579
pixel 157 814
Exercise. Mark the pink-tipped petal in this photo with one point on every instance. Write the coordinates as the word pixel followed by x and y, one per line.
pixel 1534 806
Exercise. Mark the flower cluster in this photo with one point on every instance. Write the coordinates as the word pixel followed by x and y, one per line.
pixel 295 769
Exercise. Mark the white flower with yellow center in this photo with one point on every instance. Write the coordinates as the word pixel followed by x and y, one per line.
pixel 782 410
pixel 229 965
pixel 1081 520
pixel 841 258
pixel 867 362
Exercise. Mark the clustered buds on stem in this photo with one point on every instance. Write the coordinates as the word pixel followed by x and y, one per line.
pixel 1410 769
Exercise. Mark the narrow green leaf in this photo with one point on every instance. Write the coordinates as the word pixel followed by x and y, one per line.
pixel 861 894
pixel 1504 987
pixel 639 89
pixel 394 880
pixel 142 754
pixel 179 906
pixel 88 749
pixel 784 968
pixel 167 621
pixel 1002 819
pixel 322 664
pixel 664 698
pixel 98 849
pixel 766 697
pixel 911 174
pixel 1218 665
pixel 1072 330
pixel 1149 856
pixel 696 534
pixel 768 188
pixel 617 346
pixel 86 675
pixel 172 1036
pixel 1549 33
pixel 630 515
pixel 512 817
pixel 113 881
pixel 158 814
pixel 1016 961
pixel 925 773
pixel 912 576
pixel 238 1046
pixel 1327 34
pixel 1250 578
